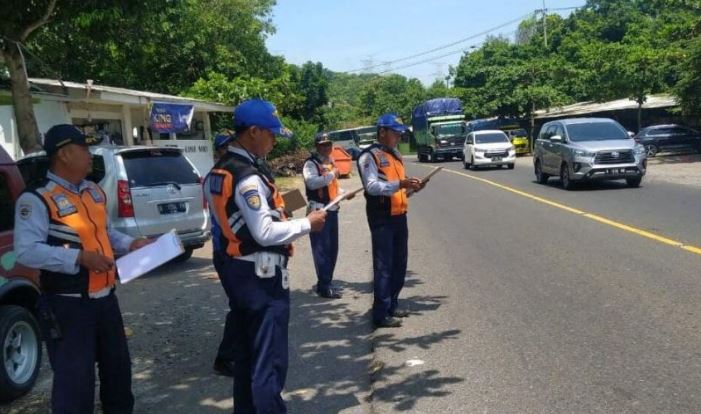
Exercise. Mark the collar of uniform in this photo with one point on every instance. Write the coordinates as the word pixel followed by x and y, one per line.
pixel 67 185
pixel 392 151
pixel 241 151
pixel 322 160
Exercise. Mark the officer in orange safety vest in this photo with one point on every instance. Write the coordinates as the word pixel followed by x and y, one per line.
pixel 321 185
pixel 62 229
pixel 256 237
pixel 384 179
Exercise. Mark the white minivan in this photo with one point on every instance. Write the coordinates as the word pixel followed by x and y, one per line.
pixel 488 147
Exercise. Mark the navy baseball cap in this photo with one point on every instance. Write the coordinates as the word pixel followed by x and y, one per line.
pixel 259 113
pixel 392 122
pixel 222 139
pixel 322 138
pixel 63 134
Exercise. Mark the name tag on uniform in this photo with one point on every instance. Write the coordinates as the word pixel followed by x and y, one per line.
pixel 384 162
pixel 64 205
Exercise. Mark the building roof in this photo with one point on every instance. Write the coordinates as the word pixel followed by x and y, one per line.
pixel 109 94
pixel 585 108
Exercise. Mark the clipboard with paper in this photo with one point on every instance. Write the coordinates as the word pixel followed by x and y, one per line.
pixel 141 261
pixel 342 197
pixel 426 178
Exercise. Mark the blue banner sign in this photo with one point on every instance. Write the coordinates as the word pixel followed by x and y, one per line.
pixel 171 117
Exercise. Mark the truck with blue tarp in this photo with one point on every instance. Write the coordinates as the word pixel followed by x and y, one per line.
pixel 512 127
pixel 439 129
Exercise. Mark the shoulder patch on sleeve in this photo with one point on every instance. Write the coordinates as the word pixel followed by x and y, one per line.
pixel 244 189
pixel 252 199
pixel 25 211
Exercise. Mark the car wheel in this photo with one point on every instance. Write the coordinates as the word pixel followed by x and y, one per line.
pixel 540 176
pixel 651 150
pixel 567 183
pixel 185 256
pixel 634 182
pixel 421 157
pixel 466 164
pixel 473 167
pixel 511 166
pixel 20 349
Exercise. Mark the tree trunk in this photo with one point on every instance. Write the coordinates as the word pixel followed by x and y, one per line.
pixel 26 122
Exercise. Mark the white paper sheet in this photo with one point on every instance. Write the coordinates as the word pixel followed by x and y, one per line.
pixel 143 260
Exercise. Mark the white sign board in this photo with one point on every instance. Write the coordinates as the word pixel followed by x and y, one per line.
pixel 198 151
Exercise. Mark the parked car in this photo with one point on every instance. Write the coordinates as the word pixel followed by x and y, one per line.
pixel 670 137
pixel 519 137
pixel 150 191
pixel 580 149
pixel 20 338
pixel 488 147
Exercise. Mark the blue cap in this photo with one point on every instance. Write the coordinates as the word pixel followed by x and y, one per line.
pixel 392 122
pixel 259 113
pixel 222 139
pixel 322 138
pixel 63 134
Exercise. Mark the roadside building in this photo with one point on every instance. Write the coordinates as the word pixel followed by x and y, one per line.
pixel 118 115
pixel 657 109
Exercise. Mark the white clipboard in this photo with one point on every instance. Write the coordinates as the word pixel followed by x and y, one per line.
pixel 141 261
pixel 341 197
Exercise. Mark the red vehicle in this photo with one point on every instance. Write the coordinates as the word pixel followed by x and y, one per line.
pixel 20 338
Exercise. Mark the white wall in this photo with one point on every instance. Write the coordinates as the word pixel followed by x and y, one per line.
pixel 47 113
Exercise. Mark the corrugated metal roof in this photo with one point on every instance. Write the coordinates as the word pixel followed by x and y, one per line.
pixel 585 108
pixel 111 93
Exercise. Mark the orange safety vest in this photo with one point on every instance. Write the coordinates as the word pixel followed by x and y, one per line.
pixel 233 230
pixel 76 221
pixel 327 193
pixel 390 168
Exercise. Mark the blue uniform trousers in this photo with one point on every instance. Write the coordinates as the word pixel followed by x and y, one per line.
pixel 390 237
pixel 226 346
pixel 260 312
pixel 92 331
pixel 325 251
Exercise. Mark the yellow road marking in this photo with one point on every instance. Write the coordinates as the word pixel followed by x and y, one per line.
pixel 591 216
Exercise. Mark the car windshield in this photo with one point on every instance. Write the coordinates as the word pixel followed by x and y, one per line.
pixel 490 138
pixel 450 130
pixel 155 167
pixel 595 131
pixel 518 133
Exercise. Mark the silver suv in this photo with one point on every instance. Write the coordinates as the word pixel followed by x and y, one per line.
pixel 580 149
pixel 150 190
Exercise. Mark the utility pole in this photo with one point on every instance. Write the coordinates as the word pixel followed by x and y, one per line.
pixel 545 25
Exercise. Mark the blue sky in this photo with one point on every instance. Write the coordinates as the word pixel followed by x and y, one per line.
pixel 351 34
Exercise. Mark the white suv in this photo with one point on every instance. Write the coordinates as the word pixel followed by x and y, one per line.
pixel 488 147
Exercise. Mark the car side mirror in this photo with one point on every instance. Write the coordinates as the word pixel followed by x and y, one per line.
pixel 556 138
pixel 631 134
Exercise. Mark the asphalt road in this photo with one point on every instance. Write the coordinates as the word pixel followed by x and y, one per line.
pixel 525 299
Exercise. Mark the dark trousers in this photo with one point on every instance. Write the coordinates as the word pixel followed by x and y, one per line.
pixel 325 251
pixel 92 331
pixel 260 312
pixel 226 346
pixel 389 261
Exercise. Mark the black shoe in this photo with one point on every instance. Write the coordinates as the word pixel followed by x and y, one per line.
pixel 400 313
pixel 329 294
pixel 223 367
pixel 388 322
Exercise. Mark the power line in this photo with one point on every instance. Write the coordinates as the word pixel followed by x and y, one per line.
pixel 444 46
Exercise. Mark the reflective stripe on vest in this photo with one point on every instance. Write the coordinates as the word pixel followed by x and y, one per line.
pixel 389 169
pixel 77 221
pixel 220 190
pixel 327 193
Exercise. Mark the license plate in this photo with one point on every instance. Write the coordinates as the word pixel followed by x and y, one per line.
pixel 171 208
pixel 496 158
